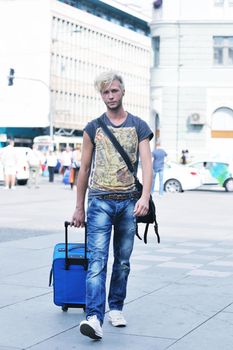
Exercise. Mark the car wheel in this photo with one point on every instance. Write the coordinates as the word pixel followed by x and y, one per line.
pixel 229 185
pixel 173 185
pixel 22 182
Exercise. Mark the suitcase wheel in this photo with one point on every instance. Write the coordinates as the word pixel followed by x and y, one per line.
pixel 64 308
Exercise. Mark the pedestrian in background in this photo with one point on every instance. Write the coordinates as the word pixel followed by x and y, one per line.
pixel 159 156
pixel 51 162
pixel 66 159
pixel 113 202
pixel 34 159
pixel 184 157
pixel 75 166
pixel 9 161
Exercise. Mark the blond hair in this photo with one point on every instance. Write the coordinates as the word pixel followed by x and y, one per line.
pixel 106 79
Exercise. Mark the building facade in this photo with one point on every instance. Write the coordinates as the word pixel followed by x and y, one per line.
pixel 191 76
pixel 56 49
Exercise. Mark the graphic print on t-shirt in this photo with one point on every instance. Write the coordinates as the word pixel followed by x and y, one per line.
pixel 110 173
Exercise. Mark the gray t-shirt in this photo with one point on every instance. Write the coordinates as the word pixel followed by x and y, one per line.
pixel 109 173
pixel 158 159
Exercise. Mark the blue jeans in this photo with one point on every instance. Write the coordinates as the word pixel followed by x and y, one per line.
pixel 102 214
pixel 160 172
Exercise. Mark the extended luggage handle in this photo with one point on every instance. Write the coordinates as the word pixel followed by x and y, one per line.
pixel 69 260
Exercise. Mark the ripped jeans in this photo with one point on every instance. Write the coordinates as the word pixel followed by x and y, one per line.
pixel 102 214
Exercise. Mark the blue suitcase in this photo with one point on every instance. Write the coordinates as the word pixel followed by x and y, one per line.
pixel 69 269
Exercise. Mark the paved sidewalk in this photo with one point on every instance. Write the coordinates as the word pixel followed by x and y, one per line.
pixel 180 296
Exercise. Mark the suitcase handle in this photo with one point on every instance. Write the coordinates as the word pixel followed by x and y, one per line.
pixel 66 224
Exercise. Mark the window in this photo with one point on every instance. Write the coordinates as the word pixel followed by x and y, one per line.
pixel 156 50
pixel 223 50
pixel 219 2
pixel 222 123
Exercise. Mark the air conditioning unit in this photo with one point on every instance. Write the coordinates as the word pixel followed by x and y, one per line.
pixel 196 119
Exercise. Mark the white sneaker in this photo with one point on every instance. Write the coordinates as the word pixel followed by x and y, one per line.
pixel 116 318
pixel 91 328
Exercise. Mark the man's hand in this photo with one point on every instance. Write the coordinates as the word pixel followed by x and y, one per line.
pixel 78 219
pixel 141 207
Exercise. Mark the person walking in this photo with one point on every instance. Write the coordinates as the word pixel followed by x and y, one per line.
pixel 75 166
pixel 66 159
pixel 113 201
pixel 184 157
pixel 34 159
pixel 9 161
pixel 159 156
pixel 51 162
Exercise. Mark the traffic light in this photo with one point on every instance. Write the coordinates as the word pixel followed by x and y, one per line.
pixel 11 77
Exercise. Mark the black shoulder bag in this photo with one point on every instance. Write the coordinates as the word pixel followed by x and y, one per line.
pixel 150 217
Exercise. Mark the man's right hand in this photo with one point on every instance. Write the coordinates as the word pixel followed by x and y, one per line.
pixel 78 218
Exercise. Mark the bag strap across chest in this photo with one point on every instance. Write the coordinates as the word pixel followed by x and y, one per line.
pixel 128 162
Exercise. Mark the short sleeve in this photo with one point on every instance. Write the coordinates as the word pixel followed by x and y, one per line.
pixel 90 129
pixel 144 131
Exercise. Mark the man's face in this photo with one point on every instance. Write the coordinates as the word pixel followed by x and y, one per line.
pixel 112 95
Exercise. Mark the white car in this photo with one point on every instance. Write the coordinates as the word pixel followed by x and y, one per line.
pixel 177 178
pixel 215 172
pixel 22 173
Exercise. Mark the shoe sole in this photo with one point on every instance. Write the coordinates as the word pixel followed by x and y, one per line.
pixel 87 330
pixel 117 325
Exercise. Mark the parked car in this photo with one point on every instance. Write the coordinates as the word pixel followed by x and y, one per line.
pixel 177 178
pixel 215 173
pixel 22 173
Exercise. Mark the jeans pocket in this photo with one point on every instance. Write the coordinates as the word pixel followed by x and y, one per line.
pixel 91 201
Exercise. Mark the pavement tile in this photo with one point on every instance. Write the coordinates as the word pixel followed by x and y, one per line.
pixel 229 308
pixel 147 257
pixel 34 320
pixel 37 278
pixel 180 265
pixel 195 244
pixel 13 293
pixel 111 339
pixel 164 318
pixel 20 260
pixel 218 250
pixel 222 263
pixel 209 273
pixel 200 257
pixel 176 251
pixel 215 334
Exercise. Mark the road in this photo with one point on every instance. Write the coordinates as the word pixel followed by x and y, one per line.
pixel 34 212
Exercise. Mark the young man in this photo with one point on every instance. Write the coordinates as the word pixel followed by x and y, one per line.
pixel 113 201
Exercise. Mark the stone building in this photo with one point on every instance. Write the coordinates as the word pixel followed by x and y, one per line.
pixel 56 48
pixel 192 76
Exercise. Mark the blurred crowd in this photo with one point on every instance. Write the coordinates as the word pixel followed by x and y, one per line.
pixel 66 162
